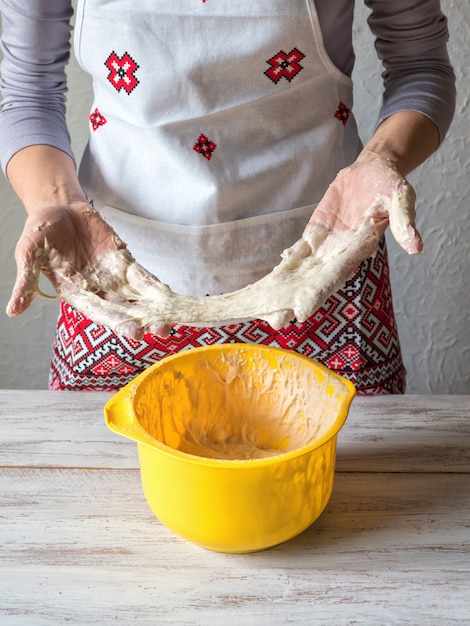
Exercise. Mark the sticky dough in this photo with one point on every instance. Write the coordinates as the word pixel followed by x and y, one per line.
pixel 310 271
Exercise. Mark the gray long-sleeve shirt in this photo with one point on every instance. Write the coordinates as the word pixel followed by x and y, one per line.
pixel 411 37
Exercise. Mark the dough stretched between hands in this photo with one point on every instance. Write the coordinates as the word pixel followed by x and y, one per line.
pixel 121 294
pixel 311 270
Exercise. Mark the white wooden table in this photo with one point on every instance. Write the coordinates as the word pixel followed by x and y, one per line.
pixel 79 545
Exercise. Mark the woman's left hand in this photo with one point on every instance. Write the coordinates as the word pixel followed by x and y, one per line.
pixel 366 197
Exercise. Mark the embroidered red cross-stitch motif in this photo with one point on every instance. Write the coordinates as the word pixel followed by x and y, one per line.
pixel 97 120
pixel 204 146
pixel 284 65
pixel 121 72
pixel 342 113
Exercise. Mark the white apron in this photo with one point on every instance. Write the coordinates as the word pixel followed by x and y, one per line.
pixel 216 128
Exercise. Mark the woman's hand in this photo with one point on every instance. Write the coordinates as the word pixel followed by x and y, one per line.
pixel 87 264
pixel 66 239
pixel 366 197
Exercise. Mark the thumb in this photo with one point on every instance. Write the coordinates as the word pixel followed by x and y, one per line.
pixel 402 215
pixel 26 284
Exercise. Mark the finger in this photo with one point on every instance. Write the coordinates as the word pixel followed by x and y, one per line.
pixel 131 329
pixel 312 239
pixel 157 329
pixel 315 234
pixel 279 319
pixel 28 265
pixel 20 299
pixel 402 216
pixel 118 317
pixel 145 282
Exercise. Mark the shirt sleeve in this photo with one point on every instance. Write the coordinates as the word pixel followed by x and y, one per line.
pixel 35 43
pixel 411 40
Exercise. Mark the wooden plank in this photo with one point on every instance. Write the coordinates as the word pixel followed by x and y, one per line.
pixel 382 433
pixel 406 434
pixel 81 546
pixel 60 429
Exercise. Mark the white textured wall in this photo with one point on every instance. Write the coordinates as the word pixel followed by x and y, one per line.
pixel 431 292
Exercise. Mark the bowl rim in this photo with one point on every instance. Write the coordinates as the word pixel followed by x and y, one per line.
pixel 124 398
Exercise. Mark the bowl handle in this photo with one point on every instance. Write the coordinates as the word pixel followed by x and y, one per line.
pixel 120 417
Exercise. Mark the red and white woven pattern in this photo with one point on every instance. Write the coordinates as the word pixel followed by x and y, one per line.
pixel 354 334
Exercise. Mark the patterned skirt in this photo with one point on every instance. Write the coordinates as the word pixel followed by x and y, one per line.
pixel 354 334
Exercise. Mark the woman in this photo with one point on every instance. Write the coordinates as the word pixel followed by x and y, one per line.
pixel 217 131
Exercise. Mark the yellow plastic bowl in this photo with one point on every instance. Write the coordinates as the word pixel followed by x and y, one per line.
pixel 222 395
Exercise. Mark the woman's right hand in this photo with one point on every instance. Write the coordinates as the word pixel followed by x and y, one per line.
pixel 87 264
pixel 68 241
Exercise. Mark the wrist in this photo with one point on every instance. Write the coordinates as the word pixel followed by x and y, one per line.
pixel 406 139
pixel 43 176
pixel 373 152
